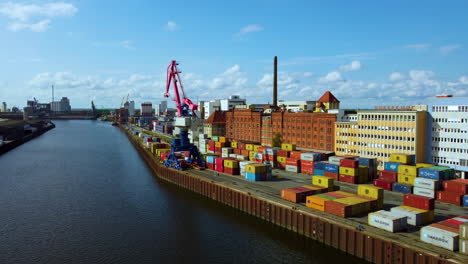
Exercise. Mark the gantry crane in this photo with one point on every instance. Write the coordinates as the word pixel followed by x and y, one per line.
pixel 185 111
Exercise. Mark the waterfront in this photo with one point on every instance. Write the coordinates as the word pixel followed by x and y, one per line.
pixel 81 194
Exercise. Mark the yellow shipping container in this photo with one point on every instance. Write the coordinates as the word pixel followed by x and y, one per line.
pixel 427 215
pixel 256 147
pixel 406 179
pixel 312 187
pixel 345 193
pixel 423 165
pixel 408 170
pixel 218 144
pixel 234 145
pixel 281 159
pixel 358 205
pixel 222 139
pixel 232 164
pixel 370 191
pixel 288 147
pixel 322 181
pixel 348 171
pixel 316 202
pixel 401 158
pixel 255 168
pixel 251 154
pixel 249 147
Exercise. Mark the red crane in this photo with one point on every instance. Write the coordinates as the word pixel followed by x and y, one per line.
pixel 174 77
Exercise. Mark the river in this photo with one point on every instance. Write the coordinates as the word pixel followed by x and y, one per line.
pixel 81 194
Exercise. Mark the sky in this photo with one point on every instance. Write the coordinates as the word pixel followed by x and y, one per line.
pixel 366 53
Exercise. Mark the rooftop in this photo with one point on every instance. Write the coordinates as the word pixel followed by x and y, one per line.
pixel 217 117
pixel 328 97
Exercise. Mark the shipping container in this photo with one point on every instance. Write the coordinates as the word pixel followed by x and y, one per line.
pixel 293 162
pixel 363 174
pixel 387 185
pixel 292 168
pixel 430 184
pixel 249 147
pixel 423 165
pixel 281 159
pixel 416 217
pixel 349 163
pixel 215 138
pixel 408 170
pixel 311 156
pixel 338 209
pixel 322 181
pixel 387 221
pixel 320 165
pixel 435 173
pixel 255 168
pixel 402 158
pixel 319 172
pixel 402 188
pixel 370 191
pixel 465 200
pixel 463 231
pixel 282 153
pixel 335 160
pixel 298 194
pixel 316 202
pixel 332 168
pixel 348 171
pixel 231 164
pixel 439 237
pixel 369 162
pixel 234 144
pixel 406 179
pixel 389 175
pixel 424 192
pixel 307 170
pixel 335 176
pixel 391 166
pixel 456 186
pixel 255 176
pixel 463 246
pixel 417 201
pixel 288 147
pixel 348 179
pixel 449 197
pixel 232 171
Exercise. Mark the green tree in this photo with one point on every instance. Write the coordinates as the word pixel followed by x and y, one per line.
pixel 277 140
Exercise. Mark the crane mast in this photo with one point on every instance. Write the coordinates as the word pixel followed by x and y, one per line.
pixel 185 107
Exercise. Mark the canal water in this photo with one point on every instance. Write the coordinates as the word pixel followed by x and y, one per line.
pixel 81 194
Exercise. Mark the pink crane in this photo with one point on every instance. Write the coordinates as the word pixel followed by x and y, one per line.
pixel 174 77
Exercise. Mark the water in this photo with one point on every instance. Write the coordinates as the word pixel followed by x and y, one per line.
pixel 81 194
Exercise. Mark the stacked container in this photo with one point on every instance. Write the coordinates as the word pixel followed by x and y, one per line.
pixel 371 163
pixel 231 167
pixel 225 151
pixel 319 168
pixel 256 172
pixel 388 221
pixel 349 170
pixel 242 167
pixel 307 161
pixel 203 143
pixel 454 191
pixel 293 165
pixel 429 180
pixel 463 239
pixel 210 162
pixel 332 170
pixel 445 234
pixel 299 194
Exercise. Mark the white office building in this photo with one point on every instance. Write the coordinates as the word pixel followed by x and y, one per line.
pixel 298 106
pixel 3 107
pixel 448 140
pixel 160 108
pixel 222 104
pixel 61 106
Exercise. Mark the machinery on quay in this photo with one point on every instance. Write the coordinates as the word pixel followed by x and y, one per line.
pixel 185 112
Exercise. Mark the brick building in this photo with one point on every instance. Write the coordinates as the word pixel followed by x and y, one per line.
pixel 305 129
pixel 215 125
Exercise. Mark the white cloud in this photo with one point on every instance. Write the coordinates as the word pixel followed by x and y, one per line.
pixel 419 76
pixel 396 76
pixel 127 44
pixel 171 26
pixel 419 47
pixel 463 79
pixel 34 17
pixel 449 48
pixel 331 77
pixel 353 66
pixel 249 29
pixel 40 26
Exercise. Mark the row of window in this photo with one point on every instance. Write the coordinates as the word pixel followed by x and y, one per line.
pixel 387 128
pixel 453 150
pixel 444 161
pixel 453 140
pixel 450 120
pixel 381 137
pixel 449 130
pixel 388 117
pixel 445 108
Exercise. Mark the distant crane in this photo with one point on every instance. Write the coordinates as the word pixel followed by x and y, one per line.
pixel 185 111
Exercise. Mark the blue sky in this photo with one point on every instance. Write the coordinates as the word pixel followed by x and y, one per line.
pixel 366 52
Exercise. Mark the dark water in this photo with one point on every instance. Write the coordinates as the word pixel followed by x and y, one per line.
pixel 81 194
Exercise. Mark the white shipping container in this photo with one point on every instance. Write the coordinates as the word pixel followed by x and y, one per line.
pixel 226 150
pixel 427 183
pixel 387 221
pixel 415 218
pixel 335 160
pixel 463 246
pixel 424 192
pixel 440 238
pixel 292 168
pixel 202 136
pixel 464 231
pixel 241 157
pixel 258 156
pixel 233 155
pixel 270 151
pixel 202 140
pixel 224 155
pixel 310 156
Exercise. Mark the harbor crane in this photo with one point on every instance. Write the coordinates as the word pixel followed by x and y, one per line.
pixel 185 112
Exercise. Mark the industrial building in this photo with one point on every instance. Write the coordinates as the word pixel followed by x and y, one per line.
pixel 215 125
pixel 3 107
pixel 61 106
pixel 378 133
pixel 448 137
pixel 222 104
pixel 297 106
pixel 146 109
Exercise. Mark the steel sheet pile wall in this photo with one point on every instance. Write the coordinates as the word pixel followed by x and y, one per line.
pixel 354 242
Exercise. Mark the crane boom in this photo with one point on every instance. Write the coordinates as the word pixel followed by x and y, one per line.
pixel 173 77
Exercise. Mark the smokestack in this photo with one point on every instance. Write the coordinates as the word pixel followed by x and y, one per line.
pixel 52 93
pixel 275 82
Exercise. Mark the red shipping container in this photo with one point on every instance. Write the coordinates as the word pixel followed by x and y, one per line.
pixel 260 149
pixel 269 157
pixel 307 170
pixel 293 162
pixel 444 227
pixel 348 178
pixel 338 209
pixel 456 186
pixel 449 224
pixel 219 168
pixel 389 175
pixel 211 143
pixel 282 153
pixel 298 194
pixel 449 197
pixel 421 202
pixel 210 166
pixel 236 151
pixel 244 152
pixel 386 185
pixel 232 171
pixel 349 163
pixel 307 163
pixel 454 221
pixel 335 176
pixel 281 166
pixel 218 150
pixel 295 155
pixel 241 146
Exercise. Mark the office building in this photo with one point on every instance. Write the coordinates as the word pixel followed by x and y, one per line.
pixel 146 109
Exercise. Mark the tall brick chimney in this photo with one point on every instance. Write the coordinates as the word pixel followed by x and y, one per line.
pixel 275 82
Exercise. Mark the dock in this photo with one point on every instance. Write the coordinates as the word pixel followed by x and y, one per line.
pixel 262 200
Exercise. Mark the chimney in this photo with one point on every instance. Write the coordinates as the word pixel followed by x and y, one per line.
pixel 275 82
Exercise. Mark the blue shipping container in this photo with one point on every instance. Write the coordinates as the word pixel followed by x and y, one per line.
pixel 255 176
pixel 369 162
pixel 465 200
pixel 402 188
pixel 319 172
pixel 210 159
pixel 431 174
pixel 391 166
pixel 332 168
pixel 319 165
